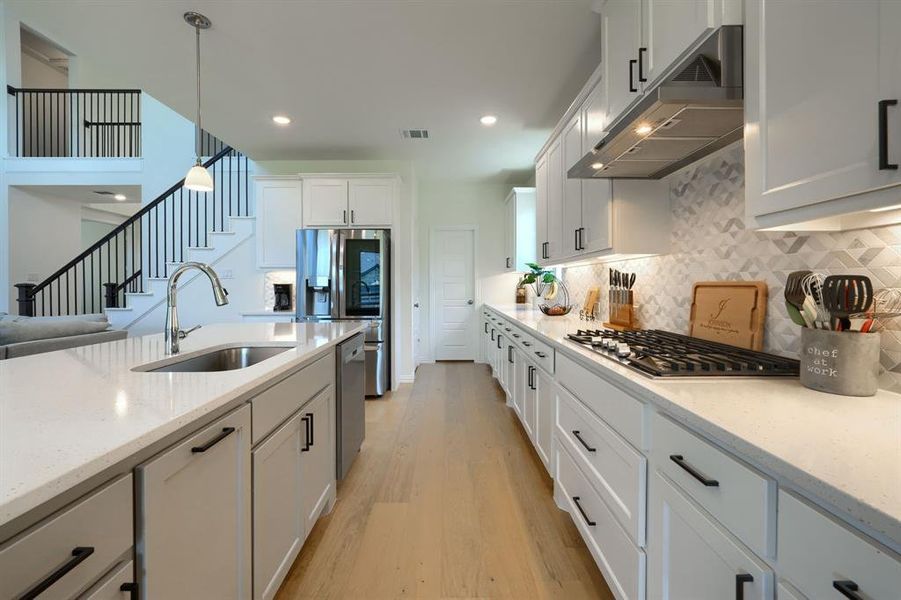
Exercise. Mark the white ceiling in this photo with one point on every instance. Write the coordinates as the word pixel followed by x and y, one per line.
pixel 351 73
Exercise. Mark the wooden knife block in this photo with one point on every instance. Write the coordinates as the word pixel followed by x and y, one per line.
pixel 622 314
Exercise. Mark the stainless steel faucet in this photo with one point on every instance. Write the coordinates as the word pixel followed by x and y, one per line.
pixel 172 332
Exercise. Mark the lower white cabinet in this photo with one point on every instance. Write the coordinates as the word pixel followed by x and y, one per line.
pixel 545 402
pixel 317 466
pixel 690 556
pixel 118 585
pixel 522 377
pixel 194 514
pixel 278 521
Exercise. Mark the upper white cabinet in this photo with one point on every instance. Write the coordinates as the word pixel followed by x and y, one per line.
pixel 519 229
pixel 541 209
pixel 820 138
pixel 555 181
pixel 326 203
pixel 278 215
pixel 621 30
pixel 348 201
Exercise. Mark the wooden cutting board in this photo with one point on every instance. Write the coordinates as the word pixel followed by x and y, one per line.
pixel 729 312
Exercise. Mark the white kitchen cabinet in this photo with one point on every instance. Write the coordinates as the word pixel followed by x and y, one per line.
pixel 318 457
pixel 278 215
pixel 529 399
pixel 545 401
pixel 621 30
pixel 194 514
pixel 812 108
pixel 541 209
pixel 519 229
pixel 690 556
pixel 555 181
pixel 594 115
pixel 326 202
pixel 571 204
pixel 522 376
pixel 117 585
pixel 816 553
pixel 784 591
pixel 278 523
pixel 371 201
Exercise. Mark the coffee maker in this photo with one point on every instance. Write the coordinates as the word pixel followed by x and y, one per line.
pixel 284 293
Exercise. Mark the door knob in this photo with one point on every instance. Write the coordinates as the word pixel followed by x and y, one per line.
pixel 470 302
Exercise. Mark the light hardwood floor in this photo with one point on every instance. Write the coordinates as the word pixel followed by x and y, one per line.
pixel 446 500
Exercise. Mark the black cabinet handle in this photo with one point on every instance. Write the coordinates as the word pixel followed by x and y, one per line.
pixel 529 377
pixel 847 588
pixel 312 430
pixel 679 460
pixel 492 334
pixel 498 342
pixel 226 431
pixel 308 434
pixel 516 335
pixel 79 554
pixel 576 239
pixel 506 329
pixel 740 580
pixel 486 327
pixel 132 588
pixel 632 87
pixel 510 354
pixel 641 53
pixel 540 354
pixel 581 441
pixel 527 344
pixel 345 217
pixel 588 521
pixel 353 217
pixel 884 164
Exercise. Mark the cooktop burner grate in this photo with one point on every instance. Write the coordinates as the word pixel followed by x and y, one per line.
pixel 664 354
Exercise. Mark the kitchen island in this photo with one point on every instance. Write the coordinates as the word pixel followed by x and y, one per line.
pixel 77 420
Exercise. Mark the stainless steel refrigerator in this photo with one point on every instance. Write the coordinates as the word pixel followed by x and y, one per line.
pixel 344 274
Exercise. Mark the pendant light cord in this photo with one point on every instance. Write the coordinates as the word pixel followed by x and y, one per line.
pixel 198 127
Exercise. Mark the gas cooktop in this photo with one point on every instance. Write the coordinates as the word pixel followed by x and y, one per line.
pixel 663 354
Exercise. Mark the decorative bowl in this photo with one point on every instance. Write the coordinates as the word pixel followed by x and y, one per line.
pixel 555 310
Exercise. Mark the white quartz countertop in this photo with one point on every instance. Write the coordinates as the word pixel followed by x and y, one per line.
pixel 841 450
pixel 67 415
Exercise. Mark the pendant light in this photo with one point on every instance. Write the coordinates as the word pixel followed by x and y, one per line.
pixel 198 178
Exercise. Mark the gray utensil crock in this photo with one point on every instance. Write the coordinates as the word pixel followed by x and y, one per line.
pixel 840 362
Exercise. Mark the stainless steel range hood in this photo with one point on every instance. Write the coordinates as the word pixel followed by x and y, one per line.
pixel 695 110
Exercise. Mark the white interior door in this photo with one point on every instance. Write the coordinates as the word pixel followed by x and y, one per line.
pixel 453 313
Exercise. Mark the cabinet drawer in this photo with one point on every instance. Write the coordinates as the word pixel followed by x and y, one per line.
pixel 621 411
pixel 536 350
pixel 738 496
pixel 617 470
pixel 272 407
pixel 815 552
pixel 89 537
pixel 111 588
pixel 622 564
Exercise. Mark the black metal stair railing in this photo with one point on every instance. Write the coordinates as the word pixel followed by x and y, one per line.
pixel 84 123
pixel 140 248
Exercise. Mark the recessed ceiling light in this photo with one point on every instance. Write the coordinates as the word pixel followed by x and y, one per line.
pixel 488 120
pixel 597 166
pixel 281 120
pixel 120 197
pixel 643 129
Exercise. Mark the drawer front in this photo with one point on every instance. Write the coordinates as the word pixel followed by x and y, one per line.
pixel 621 562
pixel 618 471
pixel 621 411
pixel 736 495
pixel 273 406
pixel 116 586
pixel 815 552
pixel 100 527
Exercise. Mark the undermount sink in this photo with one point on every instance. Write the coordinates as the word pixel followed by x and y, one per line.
pixel 224 359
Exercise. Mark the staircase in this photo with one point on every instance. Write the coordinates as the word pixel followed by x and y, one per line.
pixel 125 273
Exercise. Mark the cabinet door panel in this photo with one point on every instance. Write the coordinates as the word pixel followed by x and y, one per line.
pixel 318 460
pixel 371 202
pixel 670 28
pixel 555 200
pixel 278 524
pixel 621 28
pixel 278 215
pixel 111 587
pixel 510 233
pixel 597 213
pixel 572 189
pixel 325 203
pixel 194 515
pixel 545 409
pixel 808 84
pixel 689 556
pixel 541 209
pixel 594 116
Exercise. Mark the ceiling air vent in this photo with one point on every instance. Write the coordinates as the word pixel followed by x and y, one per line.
pixel 414 134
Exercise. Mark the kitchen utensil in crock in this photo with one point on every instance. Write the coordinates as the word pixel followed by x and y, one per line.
pixel 794 297
pixel 844 295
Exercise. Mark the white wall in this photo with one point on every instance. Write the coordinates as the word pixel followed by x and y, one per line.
pixel 38 74
pixel 445 203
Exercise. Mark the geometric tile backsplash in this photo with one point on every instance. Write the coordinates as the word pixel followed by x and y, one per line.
pixel 710 242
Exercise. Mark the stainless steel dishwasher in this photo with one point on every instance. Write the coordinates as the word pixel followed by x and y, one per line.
pixel 351 412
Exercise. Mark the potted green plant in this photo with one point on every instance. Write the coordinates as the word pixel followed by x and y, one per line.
pixel 550 289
